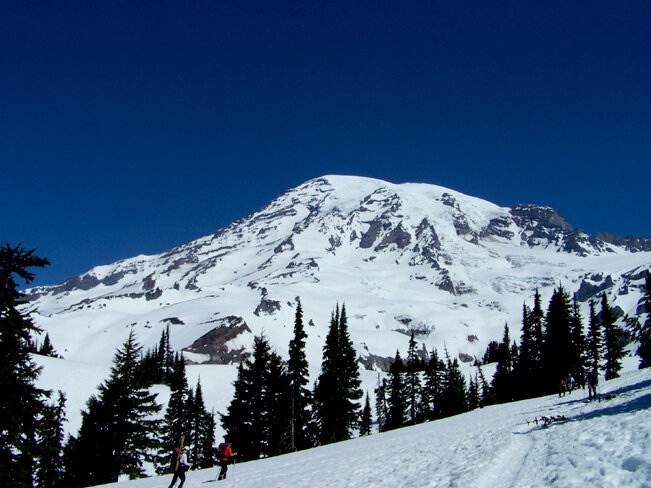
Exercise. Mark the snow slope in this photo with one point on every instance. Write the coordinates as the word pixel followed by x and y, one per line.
pixel 600 444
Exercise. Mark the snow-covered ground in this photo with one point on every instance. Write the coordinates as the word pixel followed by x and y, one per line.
pixel 599 444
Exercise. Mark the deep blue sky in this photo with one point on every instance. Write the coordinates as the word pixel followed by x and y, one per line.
pixel 131 127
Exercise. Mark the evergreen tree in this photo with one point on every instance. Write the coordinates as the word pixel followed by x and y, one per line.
pixel 49 430
pixel 537 319
pixel 413 384
pixel 397 401
pixel 366 418
pixel 237 422
pixel 202 432
pixel 278 407
pixel 502 384
pixel 300 395
pixel 485 396
pixel 431 392
pixel 644 334
pixel 594 341
pixel 381 406
pixel 177 419
pixel 117 434
pixel 473 393
pixel 525 364
pixel 47 349
pixel 453 394
pixel 259 416
pixel 613 341
pixel 22 404
pixel 338 387
pixel 557 342
pixel 578 348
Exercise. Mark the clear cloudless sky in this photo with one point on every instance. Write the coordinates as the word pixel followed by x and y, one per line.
pixel 130 127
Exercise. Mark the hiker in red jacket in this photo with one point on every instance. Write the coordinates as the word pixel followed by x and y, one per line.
pixel 224 456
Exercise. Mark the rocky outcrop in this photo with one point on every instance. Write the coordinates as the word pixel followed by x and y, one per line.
pixel 215 342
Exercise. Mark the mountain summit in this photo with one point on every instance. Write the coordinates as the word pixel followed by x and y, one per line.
pixel 402 257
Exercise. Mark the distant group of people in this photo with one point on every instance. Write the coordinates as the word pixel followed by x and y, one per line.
pixel 569 383
pixel 181 465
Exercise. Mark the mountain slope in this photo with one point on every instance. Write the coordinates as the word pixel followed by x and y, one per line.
pixel 450 267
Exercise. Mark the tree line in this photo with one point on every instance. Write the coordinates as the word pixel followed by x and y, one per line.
pixel 273 410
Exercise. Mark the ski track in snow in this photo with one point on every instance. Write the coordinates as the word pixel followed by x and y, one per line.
pixel 605 444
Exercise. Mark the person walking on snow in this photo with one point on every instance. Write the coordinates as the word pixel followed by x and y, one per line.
pixel 592 385
pixel 224 455
pixel 181 468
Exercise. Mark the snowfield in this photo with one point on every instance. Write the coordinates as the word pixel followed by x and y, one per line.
pixel 599 444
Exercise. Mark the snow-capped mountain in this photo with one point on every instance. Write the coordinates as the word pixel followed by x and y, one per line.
pixel 450 267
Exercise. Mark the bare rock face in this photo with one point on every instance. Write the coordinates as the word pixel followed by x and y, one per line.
pixel 214 343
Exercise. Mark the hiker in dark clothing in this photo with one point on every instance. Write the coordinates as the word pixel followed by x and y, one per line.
pixel 225 455
pixel 592 385
pixel 181 467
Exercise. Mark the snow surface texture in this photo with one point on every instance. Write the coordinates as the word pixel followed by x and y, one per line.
pixel 599 444
pixel 411 257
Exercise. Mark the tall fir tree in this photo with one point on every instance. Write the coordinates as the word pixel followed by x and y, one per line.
pixel 432 388
pixel 413 387
pixel 118 432
pixel 381 406
pixel 366 419
pixel 397 401
pixel 202 431
pixel 644 332
pixel 300 395
pixel 594 341
pixel 337 389
pixel 22 404
pixel 557 343
pixel 453 393
pixel 502 384
pixel 49 468
pixel 525 363
pixel 258 417
pixel 177 420
pixel 473 393
pixel 578 348
pixel 613 341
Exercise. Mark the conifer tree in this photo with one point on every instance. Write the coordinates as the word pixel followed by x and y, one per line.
pixel 502 384
pixel 177 419
pixel 525 364
pixel 300 395
pixel 381 406
pixel 537 319
pixel 337 389
pixel 413 384
pixel 578 349
pixel 557 345
pixel 203 431
pixel 237 421
pixel 118 434
pixel 454 389
pixel 22 404
pixel 613 341
pixel 50 435
pixel 485 396
pixel 366 418
pixel 594 341
pixel 47 349
pixel 431 392
pixel 259 416
pixel 473 393
pixel 397 401
pixel 644 333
